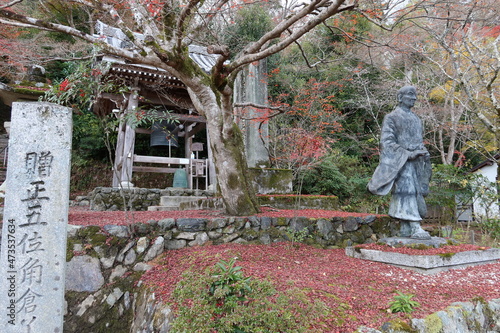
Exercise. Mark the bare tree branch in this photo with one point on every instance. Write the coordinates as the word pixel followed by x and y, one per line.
pixel 182 19
pixel 66 59
pixel 260 106
pixel 22 25
pixel 255 51
pixel 10 4
pixel 14 18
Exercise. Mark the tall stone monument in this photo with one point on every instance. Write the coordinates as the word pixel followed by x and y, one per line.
pixel 33 253
pixel 251 87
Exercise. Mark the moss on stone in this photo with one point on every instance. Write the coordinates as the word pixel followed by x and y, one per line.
pixel 111 321
pixel 290 201
pixel 433 324
pixel 97 239
pixel 366 231
pixel 448 255
pixel 101 317
pixel 343 243
pixel 239 223
pixel 357 237
pixel 419 246
pixel 141 229
pixel 275 233
pixel 281 221
pixel 479 299
pixel 489 313
pixel 250 234
pixel 450 242
pixel 381 224
pixel 69 249
pixel 128 282
pixel 276 179
pixel 398 325
pixel 28 91
pixel 88 231
pixel 115 241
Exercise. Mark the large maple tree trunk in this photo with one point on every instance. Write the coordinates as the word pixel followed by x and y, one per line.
pixel 226 140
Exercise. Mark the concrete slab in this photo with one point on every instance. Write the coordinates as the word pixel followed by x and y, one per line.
pixel 162 208
pixel 176 200
pixel 427 264
pixel 404 241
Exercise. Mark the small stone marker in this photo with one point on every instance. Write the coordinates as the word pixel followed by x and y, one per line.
pixel 33 253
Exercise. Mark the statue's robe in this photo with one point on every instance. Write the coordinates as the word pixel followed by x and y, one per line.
pixel 408 179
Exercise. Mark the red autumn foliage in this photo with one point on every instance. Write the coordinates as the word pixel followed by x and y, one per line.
pixel 64 86
pixel 357 292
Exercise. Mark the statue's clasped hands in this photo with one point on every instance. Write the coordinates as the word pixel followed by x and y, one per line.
pixel 417 153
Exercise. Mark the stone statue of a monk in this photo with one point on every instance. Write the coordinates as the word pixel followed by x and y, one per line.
pixel 404 166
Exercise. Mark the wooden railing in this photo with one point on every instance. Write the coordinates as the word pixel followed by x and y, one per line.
pixel 195 168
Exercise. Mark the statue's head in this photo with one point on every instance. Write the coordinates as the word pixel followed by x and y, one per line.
pixel 407 96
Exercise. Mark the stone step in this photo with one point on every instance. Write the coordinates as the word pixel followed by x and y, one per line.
pixel 169 203
pixel 162 208
pixel 171 200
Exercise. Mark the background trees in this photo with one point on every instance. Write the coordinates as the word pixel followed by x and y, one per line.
pixel 447 50
pixel 334 69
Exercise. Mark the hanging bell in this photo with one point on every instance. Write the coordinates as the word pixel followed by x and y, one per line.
pixel 163 134
pixel 180 179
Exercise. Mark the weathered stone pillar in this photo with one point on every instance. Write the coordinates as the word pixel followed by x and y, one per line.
pixel 251 87
pixel 33 253
pixel 129 144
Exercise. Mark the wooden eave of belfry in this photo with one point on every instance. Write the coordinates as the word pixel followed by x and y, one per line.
pixel 154 86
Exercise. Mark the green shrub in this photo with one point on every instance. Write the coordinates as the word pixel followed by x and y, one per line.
pixel 491 227
pixel 346 177
pixel 222 300
pixel 403 303
pixel 297 236
pixel 230 286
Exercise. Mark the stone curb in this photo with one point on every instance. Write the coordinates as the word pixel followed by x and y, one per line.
pixel 427 264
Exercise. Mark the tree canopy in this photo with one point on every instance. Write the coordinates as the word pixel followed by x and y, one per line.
pixel 334 68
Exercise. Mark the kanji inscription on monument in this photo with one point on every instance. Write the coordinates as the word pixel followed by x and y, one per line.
pixel 33 253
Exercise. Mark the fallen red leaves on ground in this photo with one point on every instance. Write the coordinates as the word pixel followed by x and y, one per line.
pixel 82 216
pixel 357 291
